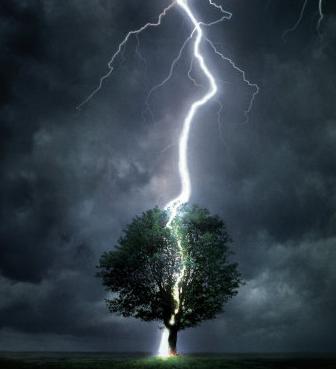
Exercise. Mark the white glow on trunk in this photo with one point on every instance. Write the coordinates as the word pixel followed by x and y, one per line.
pixel 184 196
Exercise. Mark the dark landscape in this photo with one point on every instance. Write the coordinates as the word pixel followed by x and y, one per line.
pixel 141 361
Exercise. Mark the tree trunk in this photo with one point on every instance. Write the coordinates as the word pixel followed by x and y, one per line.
pixel 172 340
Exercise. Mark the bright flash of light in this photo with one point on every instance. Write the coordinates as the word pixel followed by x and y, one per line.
pixel 164 347
pixel 185 193
pixel 197 35
pixel 184 196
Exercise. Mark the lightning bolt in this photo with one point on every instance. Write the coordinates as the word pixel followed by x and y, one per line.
pixel 185 193
pixel 321 16
pixel 174 205
pixel 243 74
pixel 192 79
pixel 297 23
pixel 169 76
pixel 121 46
pixel 198 37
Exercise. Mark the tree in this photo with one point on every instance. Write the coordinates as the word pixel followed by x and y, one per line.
pixel 142 270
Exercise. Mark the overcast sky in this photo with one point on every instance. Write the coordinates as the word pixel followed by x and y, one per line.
pixel 71 180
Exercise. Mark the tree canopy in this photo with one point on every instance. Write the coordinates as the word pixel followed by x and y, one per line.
pixel 141 271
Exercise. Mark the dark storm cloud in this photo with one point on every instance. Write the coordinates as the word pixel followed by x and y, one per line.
pixel 285 171
pixel 71 180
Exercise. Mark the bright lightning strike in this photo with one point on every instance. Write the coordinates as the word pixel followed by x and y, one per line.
pixel 184 196
pixel 174 205
pixel 185 193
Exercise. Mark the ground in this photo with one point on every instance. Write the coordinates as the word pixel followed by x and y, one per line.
pixel 142 361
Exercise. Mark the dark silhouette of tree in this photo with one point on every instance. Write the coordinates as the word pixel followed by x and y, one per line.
pixel 143 268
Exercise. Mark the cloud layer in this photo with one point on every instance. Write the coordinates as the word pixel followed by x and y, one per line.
pixel 72 180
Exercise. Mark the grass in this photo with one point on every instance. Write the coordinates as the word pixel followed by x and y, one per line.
pixel 110 361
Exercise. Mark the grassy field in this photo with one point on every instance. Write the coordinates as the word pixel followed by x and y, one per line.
pixel 134 361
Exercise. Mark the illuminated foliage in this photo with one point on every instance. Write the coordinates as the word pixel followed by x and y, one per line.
pixel 141 271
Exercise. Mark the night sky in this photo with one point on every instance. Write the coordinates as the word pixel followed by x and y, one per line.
pixel 71 180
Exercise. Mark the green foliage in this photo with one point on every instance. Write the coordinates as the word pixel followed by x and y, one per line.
pixel 210 279
pixel 141 271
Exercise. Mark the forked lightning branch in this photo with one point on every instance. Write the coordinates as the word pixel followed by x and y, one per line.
pixel 197 37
